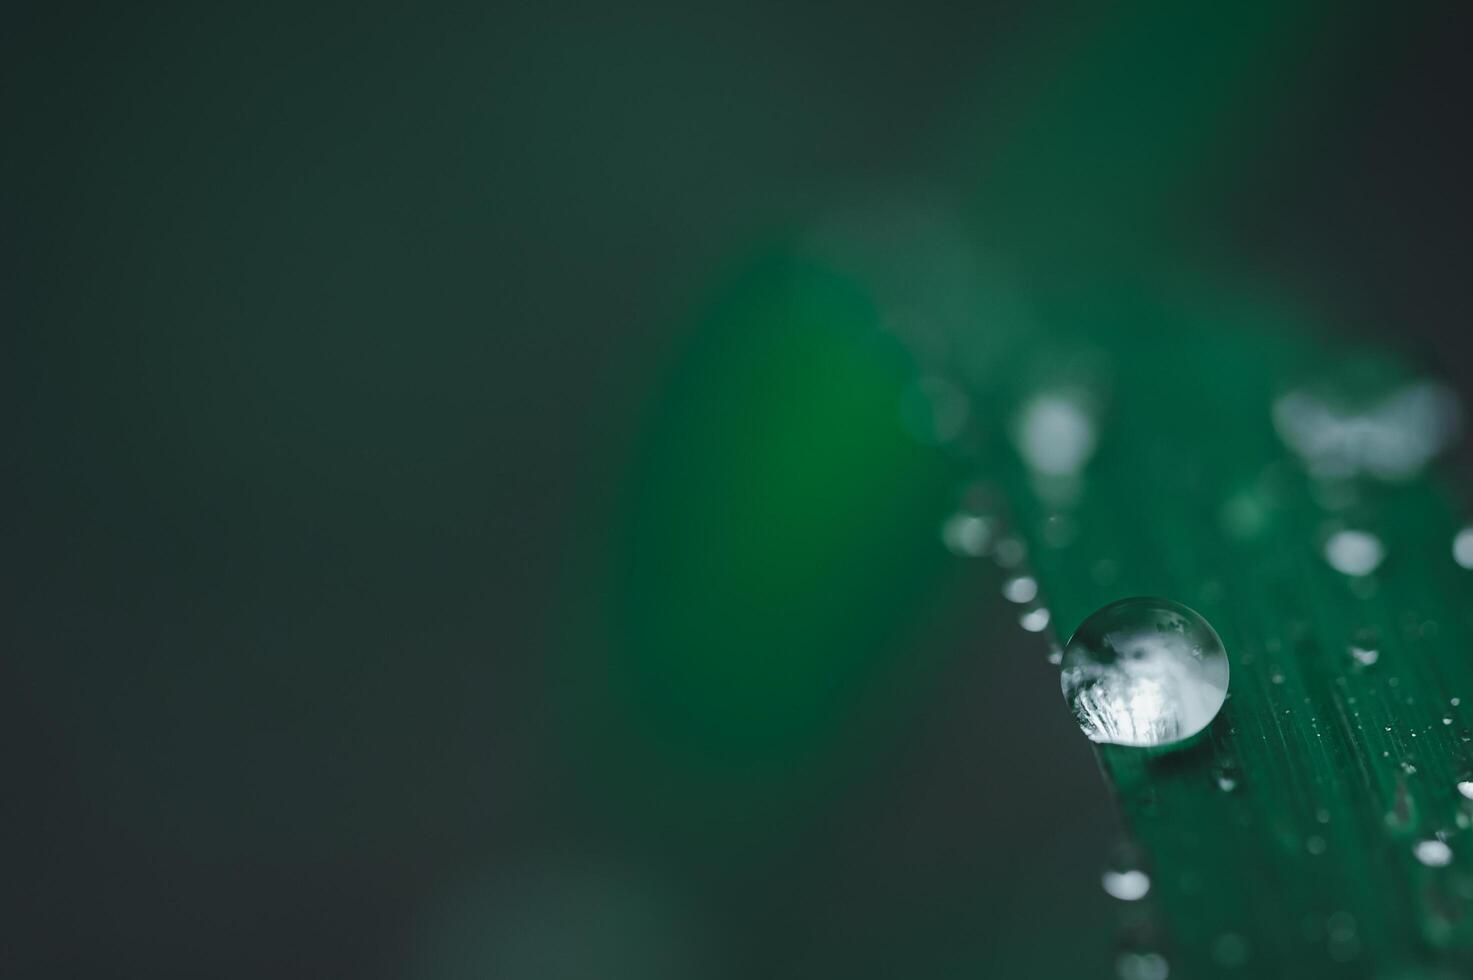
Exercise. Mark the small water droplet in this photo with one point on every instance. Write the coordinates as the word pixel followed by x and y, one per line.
pixel 1020 589
pixel 1277 677
pixel 1463 547
pixel 1455 702
pixel 966 534
pixel 1144 671
pixel 1142 966
pixel 934 410
pixel 1009 552
pixel 1446 720
pixel 1465 787
pixel 1034 620
pixel 1354 553
pixel 1433 853
pixel 1055 654
pixel 1408 768
pixel 1365 656
pixel 1315 845
pixel 1128 886
pixel 1229 950
pixel 1343 944
pixel 1226 776
pixel 1059 530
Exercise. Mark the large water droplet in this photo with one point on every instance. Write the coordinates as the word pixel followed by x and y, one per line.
pixel 1354 552
pixel 1143 672
pixel 1465 788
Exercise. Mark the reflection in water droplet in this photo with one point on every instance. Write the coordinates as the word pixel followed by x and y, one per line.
pixel 1433 853
pixel 1128 886
pixel 1463 547
pixel 967 535
pixel 1020 589
pixel 1144 671
pixel 1142 966
pixel 1365 656
pixel 1034 620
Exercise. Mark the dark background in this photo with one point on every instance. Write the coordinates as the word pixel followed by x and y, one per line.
pixel 331 340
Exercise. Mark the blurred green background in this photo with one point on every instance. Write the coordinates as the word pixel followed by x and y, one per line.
pixel 469 513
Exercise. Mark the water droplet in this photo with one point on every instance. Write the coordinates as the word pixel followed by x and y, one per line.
pixel 1343 944
pixel 1054 433
pixel 1390 437
pixel 1144 671
pixel 1354 552
pixel 1446 720
pixel 1142 966
pixel 1034 620
pixel 1465 787
pixel 1463 547
pixel 1226 776
pixel 1315 845
pixel 1059 530
pixel 1020 589
pixel 1229 950
pixel 934 410
pixel 1055 654
pixel 1009 552
pixel 966 534
pixel 1365 656
pixel 1433 853
pixel 1455 702
pixel 1128 886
